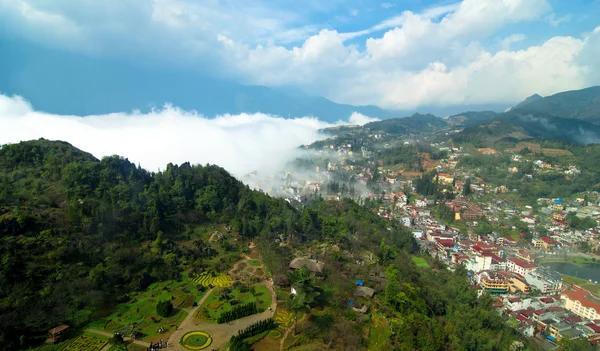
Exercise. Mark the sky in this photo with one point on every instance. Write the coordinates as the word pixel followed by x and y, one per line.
pixel 394 54
pixel 398 55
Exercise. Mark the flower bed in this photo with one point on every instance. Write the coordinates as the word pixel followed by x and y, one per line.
pixel 195 340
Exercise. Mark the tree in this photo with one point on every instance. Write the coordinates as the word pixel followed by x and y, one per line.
pixel 299 302
pixel 164 308
pixel 467 187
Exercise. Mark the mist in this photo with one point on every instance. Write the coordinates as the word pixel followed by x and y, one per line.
pixel 239 143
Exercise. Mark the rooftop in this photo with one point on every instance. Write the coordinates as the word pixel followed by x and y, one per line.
pixel 312 265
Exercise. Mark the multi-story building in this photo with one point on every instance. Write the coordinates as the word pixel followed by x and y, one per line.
pixel 581 302
pixel 546 281
pixel 494 283
pixel 519 266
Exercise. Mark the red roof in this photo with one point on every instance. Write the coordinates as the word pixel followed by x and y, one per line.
pixel 547 300
pixel 594 327
pixel 582 295
pixel 445 242
pixel 521 263
pixel 527 312
pixel 555 308
pixel 514 299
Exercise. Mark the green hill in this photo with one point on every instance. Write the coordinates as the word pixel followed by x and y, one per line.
pixel 581 104
pixel 79 235
pixel 417 123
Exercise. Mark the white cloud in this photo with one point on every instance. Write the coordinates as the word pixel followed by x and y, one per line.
pixel 508 41
pixel 438 56
pixel 556 21
pixel 360 119
pixel 239 143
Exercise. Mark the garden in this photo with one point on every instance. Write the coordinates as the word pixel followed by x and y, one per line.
pixel 224 299
pixel 84 343
pixel 140 310
pixel 195 340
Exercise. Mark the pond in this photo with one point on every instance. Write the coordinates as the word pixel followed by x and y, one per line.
pixel 588 271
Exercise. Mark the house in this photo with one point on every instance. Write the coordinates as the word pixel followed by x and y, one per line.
pixel 546 243
pixel 312 265
pixel 363 291
pixel 513 170
pixel 581 302
pixel 57 333
pixel 445 178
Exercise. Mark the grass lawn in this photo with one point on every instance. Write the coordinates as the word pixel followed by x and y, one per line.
pixel 141 309
pixel 379 335
pixel 254 263
pixel 214 307
pixel 579 261
pixel 420 262
pixel 593 288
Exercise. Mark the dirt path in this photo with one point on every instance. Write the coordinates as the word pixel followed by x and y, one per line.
pixel 220 333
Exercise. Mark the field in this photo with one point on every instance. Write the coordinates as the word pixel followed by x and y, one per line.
pixel 213 307
pixel 141 310
pixel 593 288
pixel 210 279
pixel 420 262
pixel 379 334
pixel 536 147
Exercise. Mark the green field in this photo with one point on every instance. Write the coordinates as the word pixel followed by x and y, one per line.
pixel 593 288
pixel 578 261
pixel 214 307
pixel 141 309
pixel 379 334
pixel 420 262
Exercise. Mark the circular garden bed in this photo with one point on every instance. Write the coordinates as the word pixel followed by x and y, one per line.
pixel 195 340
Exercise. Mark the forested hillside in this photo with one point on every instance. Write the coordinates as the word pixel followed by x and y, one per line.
pixel 78 235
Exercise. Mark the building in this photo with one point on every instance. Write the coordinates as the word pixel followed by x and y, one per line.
pixel 519 266
pixel 312 265
pixel 494 283
pixel 57 333
pixel 546 243
pixel 467 210
pixel 581 302
pixel 546 281
pixel 446 178
pixel 526 256
pixel 363 291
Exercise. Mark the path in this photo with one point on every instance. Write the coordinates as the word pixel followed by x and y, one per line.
pixel 109 335
pixel 220 333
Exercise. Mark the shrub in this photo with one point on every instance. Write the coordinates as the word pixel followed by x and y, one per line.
pixel 233 302
pixel 238 311
pixel 164 308
pixel 195 304
pixel 243 288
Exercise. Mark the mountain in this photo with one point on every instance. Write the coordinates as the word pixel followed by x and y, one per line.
pixel 417 123
pixel 516 125
pixel 98 86
pixel 581 104
pixel 471 117
pixel 528 100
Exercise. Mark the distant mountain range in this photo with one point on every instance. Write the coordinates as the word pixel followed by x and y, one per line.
pixel 66 83
pixel 572 116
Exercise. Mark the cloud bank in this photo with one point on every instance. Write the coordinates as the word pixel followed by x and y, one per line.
pixel 443 55
pixel 239 143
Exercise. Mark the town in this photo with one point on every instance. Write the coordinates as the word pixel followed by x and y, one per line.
pixel 538 257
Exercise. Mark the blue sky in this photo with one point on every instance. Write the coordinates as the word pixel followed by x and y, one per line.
pixel 394 54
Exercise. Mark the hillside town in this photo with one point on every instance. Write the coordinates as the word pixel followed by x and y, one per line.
pixel 502 240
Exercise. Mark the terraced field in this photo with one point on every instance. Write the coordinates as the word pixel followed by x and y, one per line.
pixel 208 279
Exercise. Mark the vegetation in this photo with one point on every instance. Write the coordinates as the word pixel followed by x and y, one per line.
pixel 237 312
pixel 196 340
pixel 254 329
pixel 164 308
pixel 81 238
